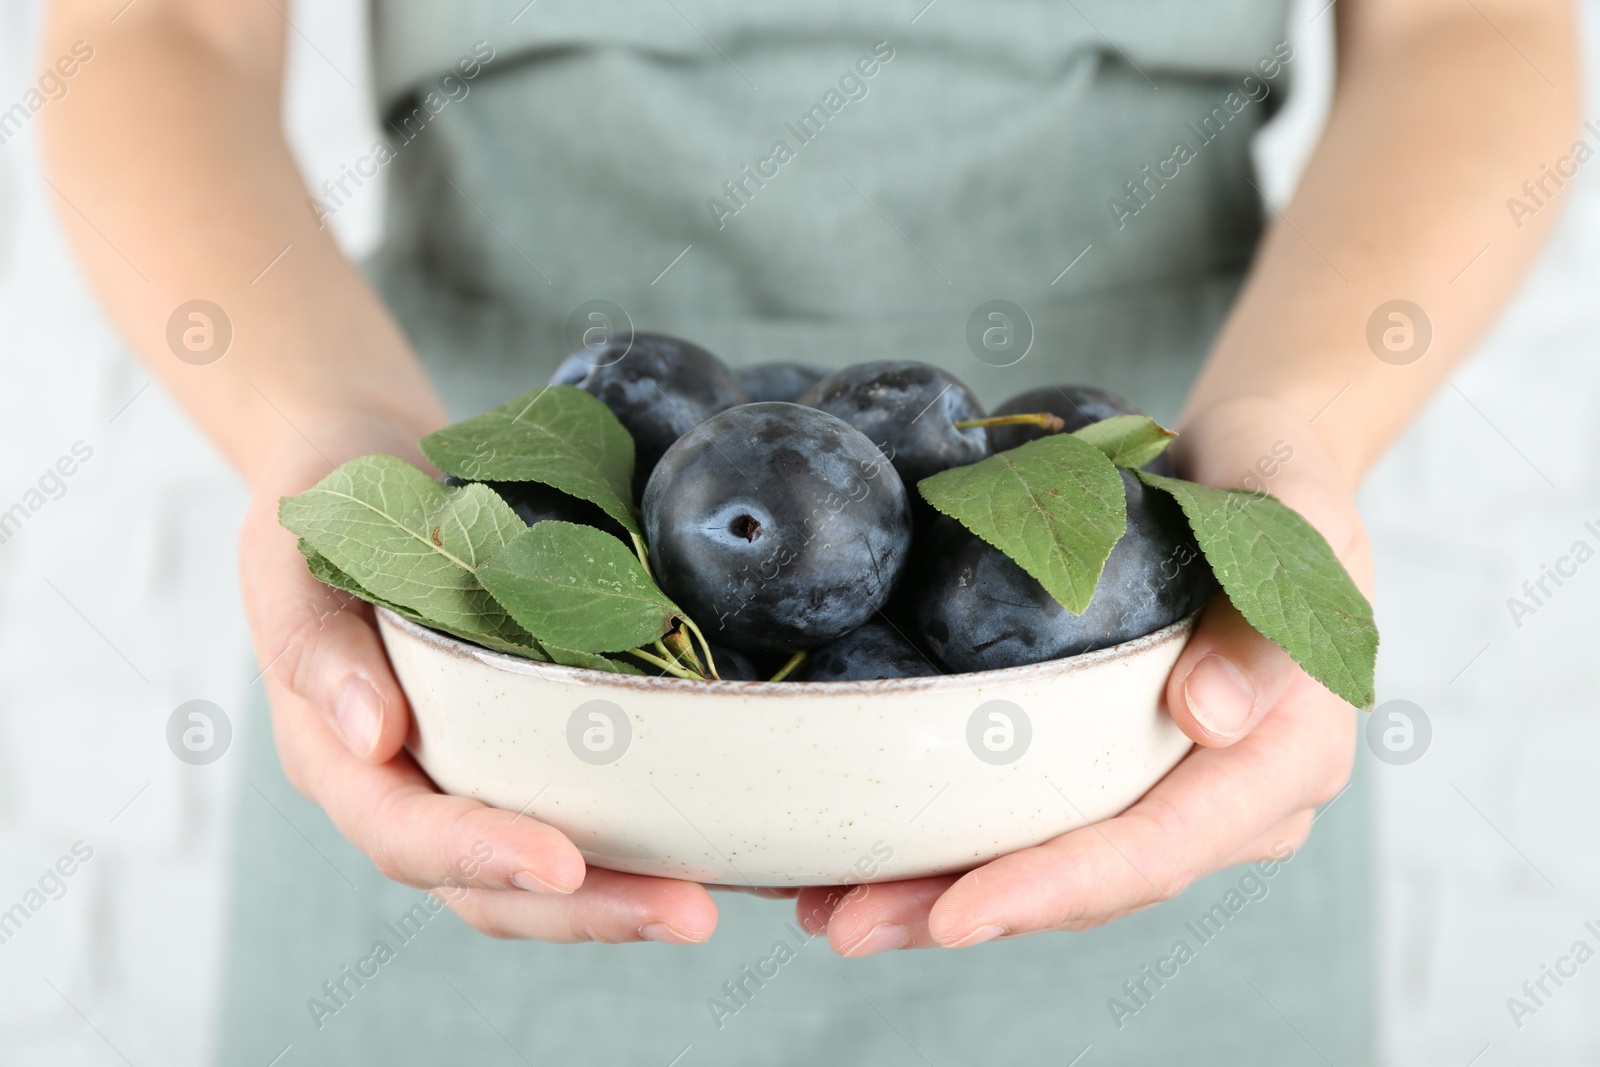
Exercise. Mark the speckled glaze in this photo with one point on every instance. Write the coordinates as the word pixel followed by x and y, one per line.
pixel 789 784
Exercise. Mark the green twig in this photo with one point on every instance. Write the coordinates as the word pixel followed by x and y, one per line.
pixel 639 550
pixel 1042 419
pixel 668 665
pixel 789 667
pixel 705 646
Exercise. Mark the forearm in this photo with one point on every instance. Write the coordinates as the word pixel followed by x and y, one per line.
pixel 174 182
pixel 1431 130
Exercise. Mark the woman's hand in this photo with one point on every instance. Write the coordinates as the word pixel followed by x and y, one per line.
pixel 340 720
pixel 1273 745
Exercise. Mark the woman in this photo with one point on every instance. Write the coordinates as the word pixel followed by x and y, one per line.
pixel 1087 163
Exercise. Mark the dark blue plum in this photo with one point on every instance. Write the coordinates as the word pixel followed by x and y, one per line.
pixel 784 382
pixel 658 387
pixel 909 410
pixel 977 610
pixel 1075 405
pixel 735 666
pixel 776 527
pixel 874 649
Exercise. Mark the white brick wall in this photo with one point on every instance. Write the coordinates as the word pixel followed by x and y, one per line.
pixel 142 546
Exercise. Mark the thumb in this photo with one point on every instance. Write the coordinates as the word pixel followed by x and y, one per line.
pixel 1227 677
pixel 318 643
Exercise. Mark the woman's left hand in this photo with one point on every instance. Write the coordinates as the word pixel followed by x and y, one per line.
pixel 1273 746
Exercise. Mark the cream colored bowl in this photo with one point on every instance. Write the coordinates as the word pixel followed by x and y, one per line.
pixel 793 784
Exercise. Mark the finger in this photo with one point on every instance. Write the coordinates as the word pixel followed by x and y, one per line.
pixel 1278 842
pixel 1078 926
pixel 1193 822
pixel 465 849
pixel 1226 678
pixel 814 907
pixel 412 833
pixel 610 907
pixel 318 643
pixel 869 919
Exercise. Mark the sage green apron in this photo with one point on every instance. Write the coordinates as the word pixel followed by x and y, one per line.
pixel 830 182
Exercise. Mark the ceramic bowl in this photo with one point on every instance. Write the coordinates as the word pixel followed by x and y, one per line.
pixel 793 784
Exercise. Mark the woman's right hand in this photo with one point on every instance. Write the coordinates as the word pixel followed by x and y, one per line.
pixel 340 722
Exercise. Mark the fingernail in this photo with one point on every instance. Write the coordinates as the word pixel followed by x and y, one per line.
pixel 534 884
pixel 1219 697
pixel 665 934
pixel 360 716
pixel 980 935
pixel 885 937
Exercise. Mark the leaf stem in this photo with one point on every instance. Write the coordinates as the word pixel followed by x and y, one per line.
pixel 668 665
pixel 1042 419
pixel 705 646
pixel 640 551
pixel 789 667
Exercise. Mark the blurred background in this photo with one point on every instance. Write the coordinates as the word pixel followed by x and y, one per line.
pixel 118 604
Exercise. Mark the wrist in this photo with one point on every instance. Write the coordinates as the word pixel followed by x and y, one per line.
pixel 1246 442
pixel 1264 445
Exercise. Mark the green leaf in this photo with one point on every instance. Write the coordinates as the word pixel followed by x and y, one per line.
pixel 1285 580
pixel 404 539
pixel 325 572
pixel 559 436
pixel 578 588
pixel 1056 506
pixel 1127 440
pixel 568 657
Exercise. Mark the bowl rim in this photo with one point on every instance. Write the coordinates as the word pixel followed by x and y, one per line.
pixel 502 661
